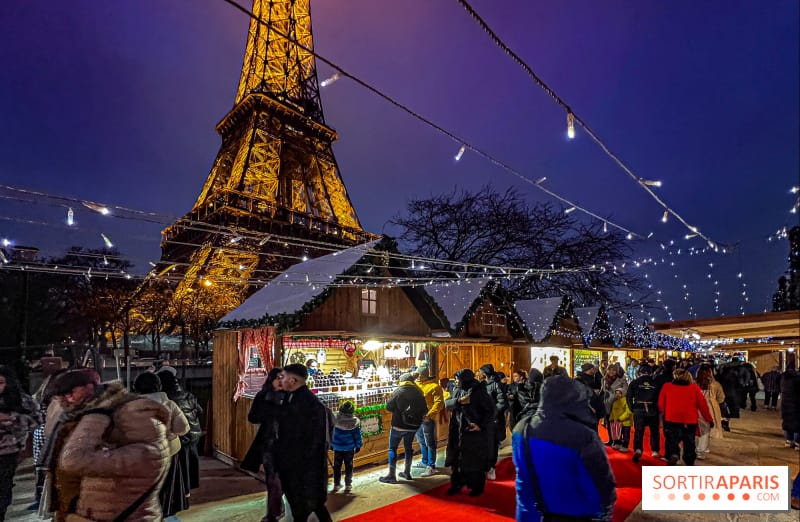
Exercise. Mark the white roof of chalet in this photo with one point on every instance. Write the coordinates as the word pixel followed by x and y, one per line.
pixel 538 315
pixel 455 298
pixel 290 290
pixel 586 318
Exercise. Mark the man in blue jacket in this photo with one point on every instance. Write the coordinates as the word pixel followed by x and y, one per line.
pixel 563 471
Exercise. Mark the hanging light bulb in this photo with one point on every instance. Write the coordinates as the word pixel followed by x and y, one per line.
pixel 107 241
pixel 460 153
pixel 541 180
pixel 97 208
pixel 70 217
pixel 650 182
pixel 689 236
pixel 328 81
pixel 105 260
pixel 629 236
pixel 570 209
pixel 605 227
pixel 570 125
pixel 665 216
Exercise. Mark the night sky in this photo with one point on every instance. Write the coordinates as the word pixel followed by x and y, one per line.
pixel 117 101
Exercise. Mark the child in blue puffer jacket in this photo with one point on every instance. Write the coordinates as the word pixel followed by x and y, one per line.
pixel 347 441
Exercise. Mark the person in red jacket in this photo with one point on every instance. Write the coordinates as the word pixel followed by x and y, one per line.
pixel 680 401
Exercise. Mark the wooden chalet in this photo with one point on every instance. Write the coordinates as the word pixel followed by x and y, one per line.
pixel 600 340
pixel 552 328
pixel 484 328
pixel 768 339
pixel 338 310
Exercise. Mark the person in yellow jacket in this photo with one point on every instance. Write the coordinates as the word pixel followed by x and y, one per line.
pixel 621 419
pixel 426 434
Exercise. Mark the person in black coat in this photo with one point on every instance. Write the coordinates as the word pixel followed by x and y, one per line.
pixel 588 377
pixel 266 411
pixel 790 407
pixel 642 400
pixel 472 414
pixel 519 396
pixel 301 451
pixel 192 410
pixel 407 406
pixel 497 392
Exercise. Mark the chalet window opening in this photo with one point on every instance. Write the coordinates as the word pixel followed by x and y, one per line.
pixel 369 302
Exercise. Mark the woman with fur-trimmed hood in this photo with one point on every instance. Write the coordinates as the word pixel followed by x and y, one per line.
pixel 108 453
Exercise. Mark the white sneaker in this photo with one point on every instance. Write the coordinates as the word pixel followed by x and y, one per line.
pixel 700 456
pixel 491 475
pixel 655 454
pixel 429 472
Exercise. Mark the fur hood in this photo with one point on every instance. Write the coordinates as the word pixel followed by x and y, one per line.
pixel 346 421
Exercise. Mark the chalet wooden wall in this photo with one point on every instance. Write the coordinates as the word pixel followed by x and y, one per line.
pixel 342 312
pixel 231 433
pixel 456 356
pixel 487 321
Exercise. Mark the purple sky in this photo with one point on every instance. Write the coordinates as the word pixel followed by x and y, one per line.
pixel 117 102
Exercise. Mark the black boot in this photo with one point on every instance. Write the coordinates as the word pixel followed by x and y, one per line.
pixel 726 425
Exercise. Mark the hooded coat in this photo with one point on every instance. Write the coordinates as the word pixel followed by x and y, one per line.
pixel 468 451
pixel 562 466
pixel 177 425
pixel 499 395
pixel 790 401
pixel 115 451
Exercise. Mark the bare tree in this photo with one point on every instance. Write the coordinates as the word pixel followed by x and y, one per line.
pixel 499 228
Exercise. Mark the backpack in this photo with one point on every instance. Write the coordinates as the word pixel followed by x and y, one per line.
pixel 412 416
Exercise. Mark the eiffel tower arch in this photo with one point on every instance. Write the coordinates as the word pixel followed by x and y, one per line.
pixel 274 190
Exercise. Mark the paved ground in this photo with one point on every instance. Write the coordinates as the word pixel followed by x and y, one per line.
pixel 228 495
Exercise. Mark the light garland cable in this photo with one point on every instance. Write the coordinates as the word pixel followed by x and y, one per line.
pixel 572 118
pixel 462 142
pixel 236 235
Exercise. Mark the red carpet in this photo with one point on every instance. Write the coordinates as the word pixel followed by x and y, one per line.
pixel 498 502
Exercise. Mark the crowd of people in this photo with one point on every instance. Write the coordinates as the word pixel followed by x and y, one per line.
pixel 101 452
pixel 92 438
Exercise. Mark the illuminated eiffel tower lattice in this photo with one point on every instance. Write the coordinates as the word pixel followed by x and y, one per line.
pixel 275 189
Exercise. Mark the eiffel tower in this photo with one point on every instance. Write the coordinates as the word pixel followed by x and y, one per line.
pixel 275 178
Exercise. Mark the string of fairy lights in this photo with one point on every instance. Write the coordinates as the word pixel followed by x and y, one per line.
pixel 572 118
pixel 463 271
pixel 465 145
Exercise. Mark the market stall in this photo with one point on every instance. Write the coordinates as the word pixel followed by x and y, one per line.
pixel 484 328
pixel 553 327
pixel 360 340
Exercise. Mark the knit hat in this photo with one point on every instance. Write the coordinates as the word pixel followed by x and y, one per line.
pixel 297 369
pixel 585 367
pixel 168 369
pixel 487 369
pixel 407 377
pixel 645 369
pixel 346 408
pixel 424 371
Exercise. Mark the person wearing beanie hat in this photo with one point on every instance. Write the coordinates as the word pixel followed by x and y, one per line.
pixel 408 407
pixel 499 395
pixel 642 397
pixel 347 441
pixel 301 448
pixel 426 434
pixel 585 367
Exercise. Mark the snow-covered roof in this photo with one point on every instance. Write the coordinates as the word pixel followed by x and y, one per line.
pixel 455 299
pixel 538 315
pixel 299 284
pixel 586 318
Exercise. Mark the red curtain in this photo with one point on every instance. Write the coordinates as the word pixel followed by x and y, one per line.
pixel 263 339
